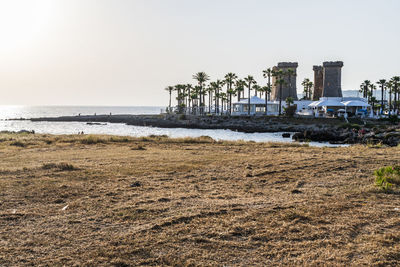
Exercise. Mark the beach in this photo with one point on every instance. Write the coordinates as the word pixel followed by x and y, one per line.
pixel 112 200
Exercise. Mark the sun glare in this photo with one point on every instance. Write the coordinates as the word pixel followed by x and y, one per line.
pixel 22 22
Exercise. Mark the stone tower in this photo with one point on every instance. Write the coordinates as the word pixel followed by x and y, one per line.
pixel 318 82
pixel 332 73
pixel 289 88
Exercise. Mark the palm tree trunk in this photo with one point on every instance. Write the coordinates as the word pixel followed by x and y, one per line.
pixel 382 99
pixel 390 100
pixel 248 111
pixel 280 99
pixel 209 102
pixel 395 97
pixel 266 104
pixel 170 92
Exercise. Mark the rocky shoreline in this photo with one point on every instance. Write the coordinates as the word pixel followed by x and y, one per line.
pixel 334 131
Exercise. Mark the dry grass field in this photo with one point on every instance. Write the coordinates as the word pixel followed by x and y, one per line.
pixel 114 201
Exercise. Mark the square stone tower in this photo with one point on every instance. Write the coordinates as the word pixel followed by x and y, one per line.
pixel 332 73
pixel 289 88
pixel 318 82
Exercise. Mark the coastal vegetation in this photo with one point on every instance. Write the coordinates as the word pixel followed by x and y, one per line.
pixel 390 88
pixel 193 202
pixel 191 99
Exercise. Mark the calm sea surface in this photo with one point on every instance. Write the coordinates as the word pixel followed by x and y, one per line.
pixel 12 112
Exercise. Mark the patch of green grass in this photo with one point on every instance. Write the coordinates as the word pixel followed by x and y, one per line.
pixel 387 178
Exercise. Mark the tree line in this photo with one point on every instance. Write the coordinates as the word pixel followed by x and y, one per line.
pixel 220 93
pixel 390 87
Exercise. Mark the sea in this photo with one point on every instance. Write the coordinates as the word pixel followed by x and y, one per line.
pixel 10 120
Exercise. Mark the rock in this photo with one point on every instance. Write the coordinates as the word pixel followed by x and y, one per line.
pixel 136 184
pixel 286 135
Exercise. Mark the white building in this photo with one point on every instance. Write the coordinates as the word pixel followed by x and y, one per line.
pixel 330 106
pixel 257 106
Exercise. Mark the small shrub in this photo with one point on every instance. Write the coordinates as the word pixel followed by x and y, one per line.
pixel 349 126
pixel 90 140
pixel 387 178
pixel 18 144
pixel 138 147
pixel 60 166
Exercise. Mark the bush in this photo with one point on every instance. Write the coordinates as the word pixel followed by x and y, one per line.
pixel 90 140
pixel 17 143
pixel 60 166
pixel 349 126
pixel 290 111
pixel 387 178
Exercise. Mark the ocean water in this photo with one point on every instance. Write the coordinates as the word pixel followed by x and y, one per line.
pixel 8 113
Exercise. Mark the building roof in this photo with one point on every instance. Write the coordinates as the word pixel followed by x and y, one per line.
pixel 356 103
pixel 254 100
pixel 327 103
pixel 339 102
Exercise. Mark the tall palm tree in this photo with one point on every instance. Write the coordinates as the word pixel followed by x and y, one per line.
pixel 364 88
pixel 216 88
pixel 382 83
pixel 266 91
pixel 210 90
pixel 306 91
pixel 256 89
pixel 290 73
pixel 229 81
pixel 279 74
pixel 396 92
pixel 267 74
pixel 169 89
pixel 201 78
pixel 240 84
pixel 249 82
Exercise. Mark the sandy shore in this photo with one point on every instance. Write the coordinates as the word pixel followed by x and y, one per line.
pixel 101 200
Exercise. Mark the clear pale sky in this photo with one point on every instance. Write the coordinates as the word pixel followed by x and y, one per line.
pixel 120 52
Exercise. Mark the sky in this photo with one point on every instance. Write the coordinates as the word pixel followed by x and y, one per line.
pixel 125 52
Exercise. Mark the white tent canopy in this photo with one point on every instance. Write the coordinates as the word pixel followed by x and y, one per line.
pixel 254 100
pixel 327 103
pixel 356 103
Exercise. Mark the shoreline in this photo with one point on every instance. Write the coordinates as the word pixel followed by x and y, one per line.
pixel 332 130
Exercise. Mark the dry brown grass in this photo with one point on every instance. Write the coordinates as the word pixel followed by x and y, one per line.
pixel 160 201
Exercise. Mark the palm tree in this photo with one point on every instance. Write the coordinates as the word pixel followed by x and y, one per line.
pixel 389 85
pixel 307 84
pixel 209 90
pixel 289 100
pixel 229 80
pixel 266 91
pixel 372 87
pixel 256 89
pixel 267 74
pixel 382 83
pixel 290 73
pixel 224 99
pixel 201 78
pixel 364 88
pixel 279 74
pixel 240 84
pixel 216 88
pixel 396 92
pixel 169 89
pixel 249 81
